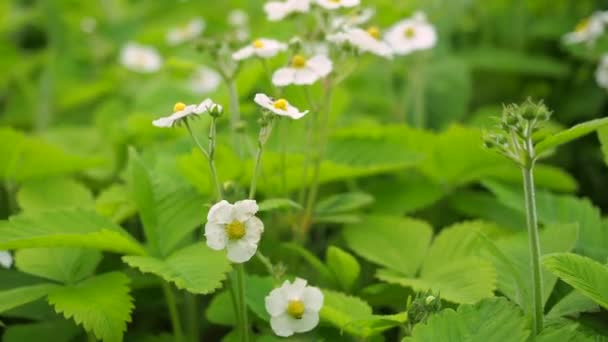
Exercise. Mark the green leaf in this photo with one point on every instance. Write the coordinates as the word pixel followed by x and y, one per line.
pixel 53 193
pixel 397 243
pixel 515 62
pixel 344 266
pixel 196 268
pixel 572 305
pixel 60 330
pixel 570 134
pixel 342 203
pixel 584 274
pixel 66 228
pixel 115 204
pixel 220 310
pixel 402 193
pixel 489 320
pixel 323 271
pixel 257 288
pixel 66 265
pixel 340 310
pixel 567 331
pixel 101 304
pixel 278 203
pixel 22 295
pixel 377 324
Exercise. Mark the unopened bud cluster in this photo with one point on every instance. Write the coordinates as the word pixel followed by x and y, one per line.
pixel 422 306
pixel 512 137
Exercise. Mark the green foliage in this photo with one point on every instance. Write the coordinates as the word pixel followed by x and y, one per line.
pixel 278 203
pixel 53 193
pixel 101 304
pixel 196 268
pixel 490 320
pixel 341 310
pixel 345 267
pixel 65 265
pixel 570 134
pixel 510 61
pixel 584 274
pixel 60 330
pixel 22 295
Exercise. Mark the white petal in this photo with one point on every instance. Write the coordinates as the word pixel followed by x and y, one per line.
pixel 245 209
pixel 283 77
pixel 243 53
pixel 320 64
pixel 329 4
pixel 302 6
pixel 308 322
pixel 312 298
pixel 276 10
pixel 295 113
pixel 295 289
pixel 205 106
pixel 240 251
pixel 6 259
pixel 282 325
pixel 215 235
pixel 221 213
pixel 263 100
pixel 349 3
pixel 305 76
pixel 276 302
pixel 254 227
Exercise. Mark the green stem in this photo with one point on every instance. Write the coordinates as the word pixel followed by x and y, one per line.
pixel 193 316
pixel 211 159
pixel 418 85
pixel 267 264
pixel 534 244
pixel 244 323
pixel 256 170
pixel 173 312
pixel 236 306
pixel 235 113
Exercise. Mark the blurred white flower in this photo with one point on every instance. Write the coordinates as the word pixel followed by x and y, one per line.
pixel 181 111
pixel 365 40
pixel 234 227
pixel 601 73
pixel 187 32
pixel 140 58
pixel 262 48
pixel 303 71
pixel 88 24
pixel 588 29
pixel 355 19
pixel 6 259
pixel 204 80
pixel 238 18
pixel 411 34
pixel 335 4
pixel 294 307
pixel 278 10
pixel 242 34
pixel 279 107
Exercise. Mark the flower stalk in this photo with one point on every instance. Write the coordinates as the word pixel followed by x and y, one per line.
pixel 173 312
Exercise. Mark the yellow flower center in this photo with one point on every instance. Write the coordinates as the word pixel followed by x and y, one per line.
pixel 374 31
pixel 280 104
pixel 235 230
pixel 179 107
pixel 298 61
pixel 582 25
pixel 258 44
pixel 409 32
pixel 295 308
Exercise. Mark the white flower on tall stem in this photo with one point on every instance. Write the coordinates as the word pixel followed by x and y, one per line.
pixel 6 259
pixel 369 40
pixel 279 107
pixel 204 80
pixel 588 30
pixel 336 4
pixel 234 227
pixel 181 112
pixel 262 48
pixel 238 18
pixel 303 71
pixel 294 307
pixel 187 32
pixel 601 73
pixel 140 58
pixel 279 10
pixel 411 35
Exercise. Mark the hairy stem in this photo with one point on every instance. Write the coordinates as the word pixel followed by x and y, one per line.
pixel 173 312
pixel 244 322
pixel 211 159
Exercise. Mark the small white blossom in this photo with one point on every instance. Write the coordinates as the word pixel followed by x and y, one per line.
pixel 279 107
pixel 204 80
pixel 365 40
pixel 140 58
pixel 181 111
pixel 588 29
pixel 278 10
pixel 335 4
pixel 303 71
pixel 601 73
pixel 411 34
pixel 238 18
pixel 359 18
pixel 6 259
pixel 294 307
pixel 262 48
pixel 187 32
pixel 234 227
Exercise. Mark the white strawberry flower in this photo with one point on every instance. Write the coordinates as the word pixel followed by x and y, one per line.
pixel 294 307
pixel 336 4
pixel 303 71
pixel 411 35
pixel 6 259
pixel 365 40
pixel 280 107
pixel 181 112
pixel 140 58
pixel 187 32
pixel 204 80
pixel 279 10
pixel 262 48
pixel 601 73
pixel 234 227
pixel 588 29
